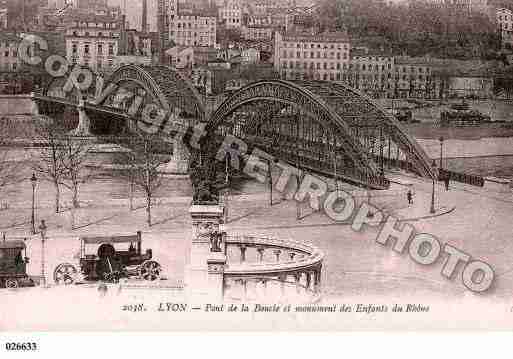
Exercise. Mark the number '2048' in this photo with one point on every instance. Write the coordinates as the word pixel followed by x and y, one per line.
pixel 20 346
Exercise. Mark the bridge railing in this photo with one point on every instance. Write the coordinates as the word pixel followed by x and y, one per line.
pixel 263 267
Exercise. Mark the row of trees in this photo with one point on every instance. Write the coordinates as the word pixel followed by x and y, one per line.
pixel 63 160
pixel 417 29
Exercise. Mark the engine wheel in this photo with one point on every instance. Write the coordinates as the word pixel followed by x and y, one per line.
pixel 11 283
pixel 65 274
pixel 150 271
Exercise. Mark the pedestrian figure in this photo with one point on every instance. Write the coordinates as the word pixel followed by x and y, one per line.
pixel 409 195
pixel 102 289
pixel 447 183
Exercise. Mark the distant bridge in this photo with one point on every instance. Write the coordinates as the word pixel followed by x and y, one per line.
pixel 323 127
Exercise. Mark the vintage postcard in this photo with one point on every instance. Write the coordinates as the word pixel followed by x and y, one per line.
pixel 287 165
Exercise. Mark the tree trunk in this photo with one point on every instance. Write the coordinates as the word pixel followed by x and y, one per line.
pixel 76 202
pixel 57 196
pixel 148 209
pixel 131 193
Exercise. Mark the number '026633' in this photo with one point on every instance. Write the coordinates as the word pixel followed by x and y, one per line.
pixel 29 346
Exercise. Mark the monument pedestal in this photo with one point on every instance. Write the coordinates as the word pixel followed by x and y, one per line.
pixel 204 272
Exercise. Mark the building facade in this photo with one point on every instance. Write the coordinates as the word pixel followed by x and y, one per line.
pixel 230 14
pixel 192 27
pixel 372 73
pixel 4 18
pixel 505 26
pixel 257 32
pixel 324 56
pixel 9 61
pixel 93 42
pixel 414 78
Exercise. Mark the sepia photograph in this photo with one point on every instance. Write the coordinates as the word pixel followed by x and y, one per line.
pixel 255 166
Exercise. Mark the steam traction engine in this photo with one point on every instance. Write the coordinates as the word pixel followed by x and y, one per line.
pixel 108 263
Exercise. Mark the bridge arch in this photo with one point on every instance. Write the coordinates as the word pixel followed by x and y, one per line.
pixel 324 127
pixel 166 86
pixel 116 102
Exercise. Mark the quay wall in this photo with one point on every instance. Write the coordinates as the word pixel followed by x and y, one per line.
pixel 15 105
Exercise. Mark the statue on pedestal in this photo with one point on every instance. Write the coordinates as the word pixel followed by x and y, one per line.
pixel 203 178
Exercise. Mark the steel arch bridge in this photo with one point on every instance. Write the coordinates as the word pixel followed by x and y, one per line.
pixel 324 127
pixel 110 102
pixel 328 128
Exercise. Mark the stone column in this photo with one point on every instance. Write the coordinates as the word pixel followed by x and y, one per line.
pixel 277 253
pixel 260 251
pixel 243 253
pixel 308 280
pixel 297 280
pixel 205 269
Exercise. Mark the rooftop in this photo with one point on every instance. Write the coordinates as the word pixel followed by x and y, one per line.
pixel 336 36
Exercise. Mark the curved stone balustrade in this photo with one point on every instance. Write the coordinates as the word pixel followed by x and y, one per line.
pixel 289 263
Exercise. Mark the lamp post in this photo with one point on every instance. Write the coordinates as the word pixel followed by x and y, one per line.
pixel 42 230
pixel 432 210
pixel 270 177
pixel 441 139
pixel 33 181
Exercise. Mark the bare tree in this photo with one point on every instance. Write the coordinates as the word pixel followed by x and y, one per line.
pixel 10 167
pixel 75 154
pixel 49 163
pixel 62 159
pixel 143 166
pixel 11 164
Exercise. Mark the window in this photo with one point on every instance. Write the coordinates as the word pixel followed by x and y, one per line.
pixel 86 49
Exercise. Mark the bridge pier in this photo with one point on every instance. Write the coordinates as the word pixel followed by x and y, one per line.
pixel 84 123
pixel 34 105
pixel 205 270
pixel 179 163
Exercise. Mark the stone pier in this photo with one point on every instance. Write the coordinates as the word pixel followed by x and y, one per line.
pixel 84 123
pixel 205 268
pixel 179 163
pixel 34 107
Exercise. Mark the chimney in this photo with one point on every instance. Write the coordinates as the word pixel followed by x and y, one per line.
pixel 145 16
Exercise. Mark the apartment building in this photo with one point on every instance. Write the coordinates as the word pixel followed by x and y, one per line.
pixel 9 61
pixel 372 73
pixel 230 14
pixel 413 77
pixel 3 18
pixel 93 41
pixel 257 32
pixel 191 27
pixel 505 26
pixel 324 56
